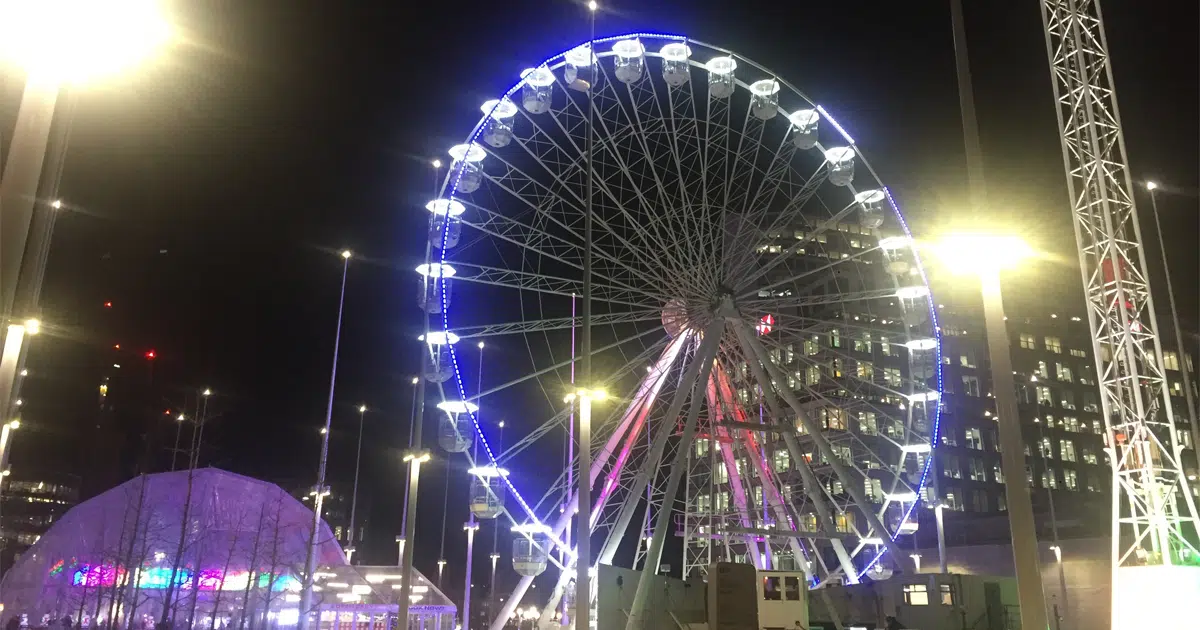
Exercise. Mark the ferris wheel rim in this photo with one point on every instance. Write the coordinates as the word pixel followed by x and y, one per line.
pixel 449 192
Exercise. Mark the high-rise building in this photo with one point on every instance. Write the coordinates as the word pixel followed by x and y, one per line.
pixel 1059 410
pixel 29 504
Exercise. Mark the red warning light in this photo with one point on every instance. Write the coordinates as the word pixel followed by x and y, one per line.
pixel 166 412
pixel 150 355
pixel 116 346
pixel 108 305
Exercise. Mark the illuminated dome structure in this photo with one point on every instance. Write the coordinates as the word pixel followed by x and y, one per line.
pixel 114 555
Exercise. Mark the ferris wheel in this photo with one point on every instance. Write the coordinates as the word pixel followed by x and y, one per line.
pixel 762 326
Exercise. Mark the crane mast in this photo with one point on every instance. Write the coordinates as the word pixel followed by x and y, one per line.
pixel 1154 517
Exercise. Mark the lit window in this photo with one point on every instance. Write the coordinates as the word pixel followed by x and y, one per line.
pixel 771 588
pixel 783 461
pixel 833 418
pixel 997 473
pixel 974 439
pixel 812 345
pixel 1054 344
pixel 1042 370
pixel 1066 449
pixel 835 338
pixel 1070 480
pixel 866 370
pixel 916 595
pixel 977 471
pixel 791 587
pixel 891 376
pixel 1063 372
pixel 1078 353
pixel 967 359
pixel 701 447
pixel 947 592
pixel 867 425
pixel 1043 396
pixel 1171 360
pixel 1046 448
pixel 1050 480
pixel 885 347
pixel 1067 399
pixel 863 343
pixel 950 467
pixel 812 374
pixel 970 385
pixel 1028 341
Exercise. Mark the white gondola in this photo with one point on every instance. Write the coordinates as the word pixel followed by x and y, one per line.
pixel 676 70
pixel 581 73
pixel 443 211
pixel 764 99
pixel 435 287
pixel 529 551
pixel 841 165
pixel 870 208
pixel 898 250
pixel 466 171
pixel 498 130
pixel 456 431
pixel 538 89
pixel 721 80
pixel 439 362
pixel 629 60
pixel 487 491
pixel 805 123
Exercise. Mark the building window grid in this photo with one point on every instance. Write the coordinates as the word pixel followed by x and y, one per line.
pixel 1054 344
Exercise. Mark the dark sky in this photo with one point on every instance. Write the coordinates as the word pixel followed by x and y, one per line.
pixel 279 132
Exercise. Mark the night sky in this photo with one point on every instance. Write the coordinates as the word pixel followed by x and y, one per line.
pixel 208 195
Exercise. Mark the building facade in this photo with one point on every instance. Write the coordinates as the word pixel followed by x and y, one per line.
pixel 29 505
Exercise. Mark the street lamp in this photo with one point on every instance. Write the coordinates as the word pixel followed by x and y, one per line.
pixel 583 526
pixel 985 256
pixel 310 561
pixel 1193 421
pixel 350 548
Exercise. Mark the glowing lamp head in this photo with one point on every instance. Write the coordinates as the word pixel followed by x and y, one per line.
pixel 74 41
pixel 1151 185
pixel 437 163
pixel 56 204
pixel 362 409
pixel 346 254
pixel 32 326
pixel 982 253
pixel 592 6
pixel 207 392
pixel 479 345
pixel 14 425
pixel 180 418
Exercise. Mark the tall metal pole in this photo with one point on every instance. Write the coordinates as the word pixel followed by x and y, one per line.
pixel 471 527
pixel 310 560
pixel 1012 459
pixel 1183 367
pixel 416 455
pixel 976 183
pixel 350 539
pixel 583 549
pixel 496 537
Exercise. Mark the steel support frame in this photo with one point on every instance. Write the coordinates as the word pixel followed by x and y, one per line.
pixel 1141 433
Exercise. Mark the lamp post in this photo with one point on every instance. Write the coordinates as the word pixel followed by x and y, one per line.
pixel 1193 421
pixel 56 48
pixel 178 432
pixel 310 561
pixel 350 548
pixel 986 256
pixel 583 547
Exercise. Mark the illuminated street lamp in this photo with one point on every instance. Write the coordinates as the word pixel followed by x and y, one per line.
pixel 985 256
pixel 350 548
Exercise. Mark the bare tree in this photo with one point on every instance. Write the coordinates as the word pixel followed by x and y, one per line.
pixel 252 565
pixel 233 545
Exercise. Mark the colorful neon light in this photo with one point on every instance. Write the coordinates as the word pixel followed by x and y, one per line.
pixel 91 576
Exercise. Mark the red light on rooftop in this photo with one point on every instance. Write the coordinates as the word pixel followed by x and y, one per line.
pixel 116 346
pixel 108 305
pixel 150 355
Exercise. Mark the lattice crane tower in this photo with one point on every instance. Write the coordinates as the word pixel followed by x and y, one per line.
pixel 1155 561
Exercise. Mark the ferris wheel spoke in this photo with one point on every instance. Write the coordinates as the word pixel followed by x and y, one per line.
pixel 859 256
pixel 527 281
pixel 559 323
pixel 778 303
pixel 553 247
pixel 751 230
pixel 608 145
pixel 741 160
pixel 686 149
